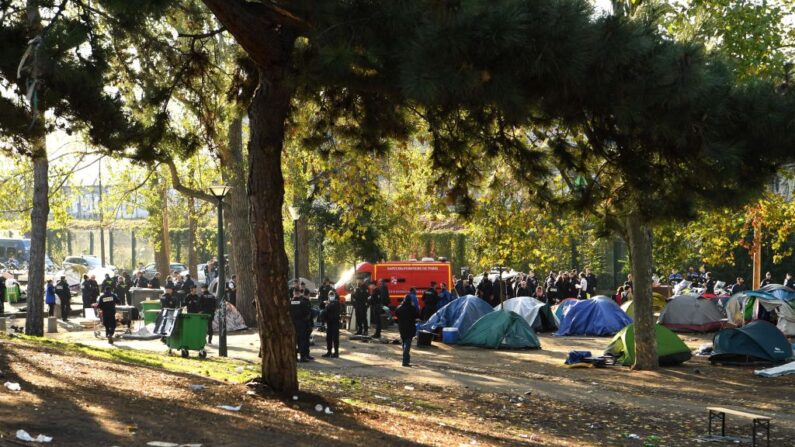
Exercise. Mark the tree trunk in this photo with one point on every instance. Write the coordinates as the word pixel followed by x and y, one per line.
pixel 303 248
pixel 267 114
pixel 639 236
pixel 193 260
pixel 233 168
pixel 34 324
pixel 34 320
pixel 163 242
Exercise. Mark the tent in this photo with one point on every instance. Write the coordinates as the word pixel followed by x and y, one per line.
pixel 779 291
pixel 691 313
pixel 501 329
pixel 671 350
pixel 657 303
pixel 535 312
pixel 758 341
pixel 745 307
pixel 561 308
pixel 593 317
pixel 461 313
pixel 234 321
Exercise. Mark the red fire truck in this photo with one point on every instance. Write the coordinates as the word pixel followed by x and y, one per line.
pixel 400 275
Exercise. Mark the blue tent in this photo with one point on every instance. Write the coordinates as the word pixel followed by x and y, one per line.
pixel 781 292
pixel 461 313
pixel 593 317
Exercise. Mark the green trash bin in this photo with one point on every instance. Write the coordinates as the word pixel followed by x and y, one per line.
pixel 12 293
pixel 189 334
pixel 150 316
pixel 150 305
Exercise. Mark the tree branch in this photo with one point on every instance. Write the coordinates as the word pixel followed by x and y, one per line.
pixel 190 192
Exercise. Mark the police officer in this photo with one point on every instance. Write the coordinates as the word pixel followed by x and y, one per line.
pixel 207 305
pixel 301 314
pixel 430 300
pixel 188 284
pixel 107 303
pixel 374 303
pixel 168 300
pixel 192 301
pixel 2 294
pixel 108 282
pixel 331 317
pixel 359 298
pixel 62 290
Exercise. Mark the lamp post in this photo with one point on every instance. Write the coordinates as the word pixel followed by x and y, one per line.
pixel 295 213
pixel 219 192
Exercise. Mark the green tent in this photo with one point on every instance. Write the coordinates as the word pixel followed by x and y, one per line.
pixel 501 329
pixel 671 350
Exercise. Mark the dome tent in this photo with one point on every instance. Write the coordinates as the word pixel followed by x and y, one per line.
pixel 599 316
pixel 460 313
pixel 501 329
pixel 691 313
pixel 758 341
pixel 537 314
pixel 671 350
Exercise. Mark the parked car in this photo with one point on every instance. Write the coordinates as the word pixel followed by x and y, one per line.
pixel 150 269
pixel 201 275
pixel 86 264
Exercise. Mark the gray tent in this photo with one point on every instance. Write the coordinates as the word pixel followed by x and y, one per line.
pixel 692 313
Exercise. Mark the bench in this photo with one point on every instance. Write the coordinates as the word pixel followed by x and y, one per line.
pixel 759 421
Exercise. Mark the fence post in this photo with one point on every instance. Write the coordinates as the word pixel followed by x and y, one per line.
pixel 110 246
pixel 68 243
pixel 90 242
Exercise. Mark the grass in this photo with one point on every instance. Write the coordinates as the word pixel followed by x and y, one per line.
pixel 225 369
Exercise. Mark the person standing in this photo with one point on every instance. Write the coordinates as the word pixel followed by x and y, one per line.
pixel 85 291
pixel 301 314
pixel 155 282
pixel 407 316
pixel 331 318
pixel 445 297
pixel 121 290
pixel 540 295
pixel 552 288
pixel 412 296
pixel 168 300
pixel 582 287
pixel 485 288
pixel 49 298
pixel 107 282
pixel 231 290
pixel 192 301
pixel 375 306
pixel 591 278
pixel 709 284
pixel 62 290
pixel 207 305
pixel 430 301
pixel 523 289
pixel 469 289
pixel 359 298
pixel 739 286
pixel 768 279
pixel 789 281
pixel 107 303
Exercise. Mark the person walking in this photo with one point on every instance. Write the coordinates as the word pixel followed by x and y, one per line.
pixel 62 290
pixel 359 298
pixel 331 318
pixel 407 316
pixel 301 314
pixel 49 298
pixel 207 305
pixel 107 303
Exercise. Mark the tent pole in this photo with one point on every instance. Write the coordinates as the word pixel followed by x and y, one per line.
pixel 757 255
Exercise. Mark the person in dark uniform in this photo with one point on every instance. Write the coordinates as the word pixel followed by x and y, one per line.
pixel 331 318
pixel 407 316
pixel 207 305
pixel 301 314
pixel 430 300
pixel 192 301
pixel 140 281
pixel 469 289
pixel 107 303
pixel 107 282
pixel 375 306
pixel 168 300
pixel 359 298
pixel 523 289
pixel 322 298
pixel 62 290
pixel 122 286
pixel 591 278
pixel 485 288
pixel 189 284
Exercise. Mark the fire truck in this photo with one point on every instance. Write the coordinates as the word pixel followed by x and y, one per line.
pixel 400 275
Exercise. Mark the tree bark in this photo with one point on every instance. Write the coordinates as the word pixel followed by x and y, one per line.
pixel 267 114
pixel 34 321
pixel 163 242
pixel 192 256
pixel 233 168
pixel 639 240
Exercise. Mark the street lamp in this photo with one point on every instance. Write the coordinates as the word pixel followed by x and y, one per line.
pixel 219 192
pixel 295 213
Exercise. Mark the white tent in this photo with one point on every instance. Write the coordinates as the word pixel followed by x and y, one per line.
pixel 527 307
pixel 234 321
